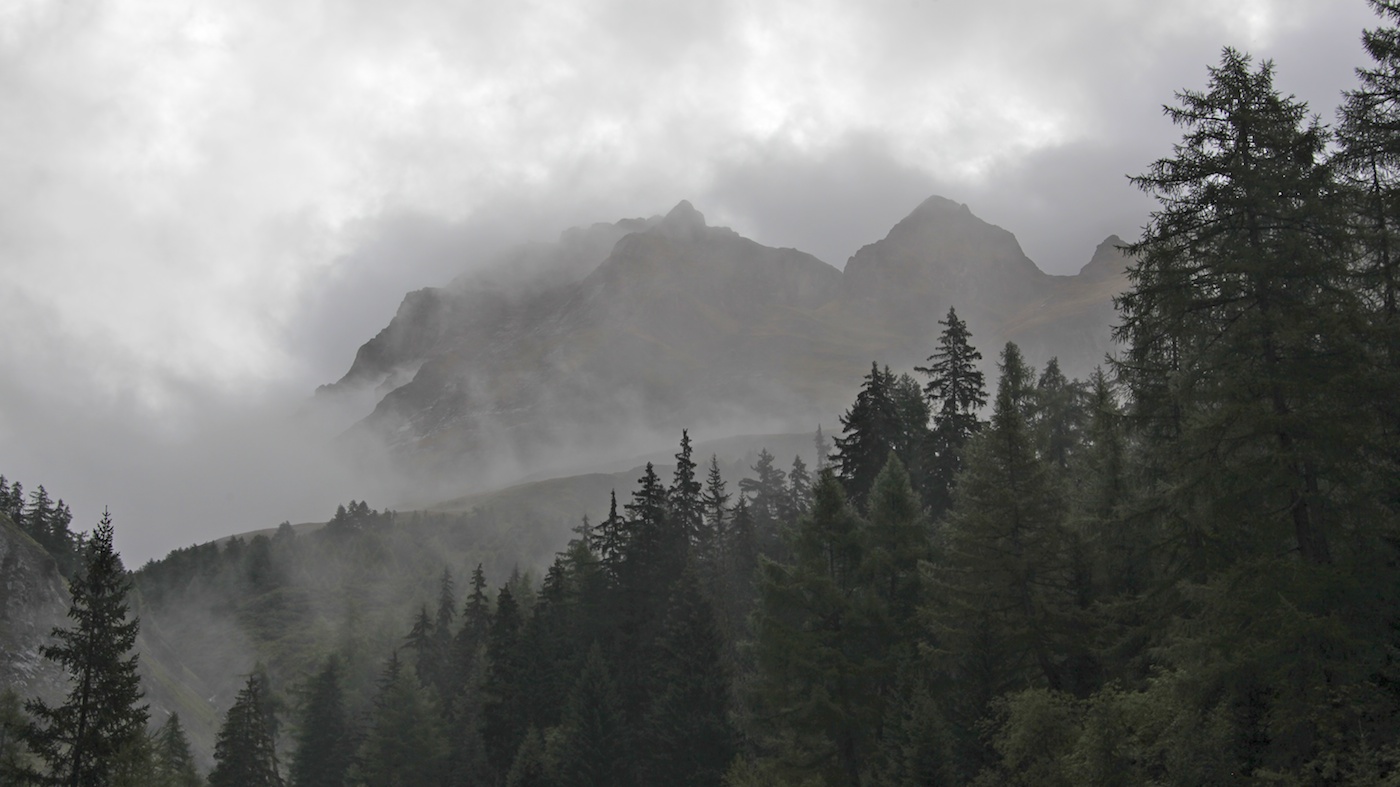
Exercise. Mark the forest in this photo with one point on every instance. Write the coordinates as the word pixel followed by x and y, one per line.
pixel 1182 571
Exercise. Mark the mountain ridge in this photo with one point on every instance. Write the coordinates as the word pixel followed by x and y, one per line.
pixel 681 324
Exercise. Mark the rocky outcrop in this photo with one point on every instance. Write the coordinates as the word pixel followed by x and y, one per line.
pixel 33 601
pixel 680 324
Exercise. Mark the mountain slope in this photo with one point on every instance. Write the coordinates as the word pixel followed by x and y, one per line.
pixel 680 324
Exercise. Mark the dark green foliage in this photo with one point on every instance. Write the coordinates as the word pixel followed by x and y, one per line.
pixel 768 504
pixel 245 754
pixel 504 717
pixel 687 738
pixel 530 768
pixel 173 762
pixel 85 739
pixel 1001 587
pixel 1241 330
pixel 592 748
pixel 818 677
pixel 870 431
pixel 404 743
pixel 324 738
pixel 714 505
pixel 956 390
pixel 1059 415
pixel 684 497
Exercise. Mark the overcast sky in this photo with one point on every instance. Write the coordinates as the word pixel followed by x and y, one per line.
pixel 206 207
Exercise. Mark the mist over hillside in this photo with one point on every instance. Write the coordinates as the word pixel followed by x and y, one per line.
pixel 613 338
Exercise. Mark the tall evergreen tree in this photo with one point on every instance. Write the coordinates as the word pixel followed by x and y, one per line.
pixel 404 744
pixel 100 721
pixel 245 753
pixel 817 685
pixel 870 431
pixel 1000 587
pixel 173 761
pixel 956 390
pixel 684 496
pixel 324 738
pixel 714 502
pixel 1239 326
pixel 687 739
pixel 504 715
pixel 593 748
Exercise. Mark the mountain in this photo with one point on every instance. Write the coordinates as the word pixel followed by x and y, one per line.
pixel 611 340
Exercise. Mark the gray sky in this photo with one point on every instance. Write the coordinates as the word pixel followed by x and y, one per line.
pixel 206 207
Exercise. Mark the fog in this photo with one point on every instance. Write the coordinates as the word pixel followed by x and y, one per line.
pixel 205 211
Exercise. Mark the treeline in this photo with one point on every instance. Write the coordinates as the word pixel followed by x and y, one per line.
pixel 45 520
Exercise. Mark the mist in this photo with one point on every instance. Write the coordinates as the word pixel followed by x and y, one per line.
pixel 205 212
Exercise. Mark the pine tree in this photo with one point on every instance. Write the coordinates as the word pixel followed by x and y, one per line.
pixel 593 748
pixel 817 685
pixel 81 740
pixel 686 739
pixel 870 431
pixel 1000 587
pixel 799 489
pixel 503 711
pixel 714 502
pixel 15 761
pixel 174 763
pixel 613 539
pixel 422 639
pixel 245 753
pixel 956 390
pixel 823 448
pixel 1059 415
pixel 684 496
pixel 768 499
pixel 324 738
pixel 404 744
pixel 530 768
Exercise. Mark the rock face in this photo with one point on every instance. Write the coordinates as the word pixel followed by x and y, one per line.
pixel 643 327
pixel 33 600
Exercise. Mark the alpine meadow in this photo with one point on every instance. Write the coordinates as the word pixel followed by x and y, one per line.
pixel 658 504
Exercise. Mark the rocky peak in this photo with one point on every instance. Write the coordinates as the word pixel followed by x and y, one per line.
pixel 1108 259
pixel 684 221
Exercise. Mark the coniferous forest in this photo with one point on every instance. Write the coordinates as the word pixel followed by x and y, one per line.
pixel 1184 570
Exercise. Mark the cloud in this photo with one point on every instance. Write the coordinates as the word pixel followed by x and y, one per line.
pixel 206 207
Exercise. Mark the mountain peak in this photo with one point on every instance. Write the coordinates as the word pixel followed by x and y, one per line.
pixel 1108 260
pixel 683 221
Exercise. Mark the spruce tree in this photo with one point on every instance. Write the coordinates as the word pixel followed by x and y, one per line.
pixel 870 431
pixel 324 739
pixel 956 391
pixel 999 591
pixel 173 761
pixel 817 688
pixel 593 749
pixel 100 721
pixel 686 739
pixel 504 716
pixel 404 742
pixel 684 496
pixel 714 502
pixel 245 753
